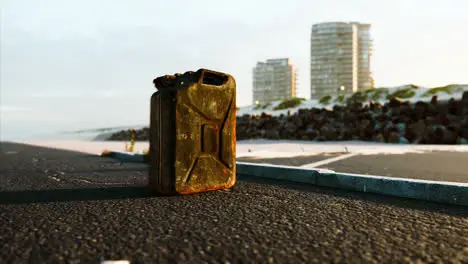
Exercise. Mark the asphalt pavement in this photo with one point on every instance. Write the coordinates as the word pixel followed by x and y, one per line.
pixel 435 165
pixel 66 207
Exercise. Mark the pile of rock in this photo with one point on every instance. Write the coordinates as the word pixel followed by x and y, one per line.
pixel 395 122
pixel 124 135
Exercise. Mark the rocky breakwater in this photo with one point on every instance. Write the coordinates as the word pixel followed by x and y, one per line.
pixel 395 122
pixel 124 135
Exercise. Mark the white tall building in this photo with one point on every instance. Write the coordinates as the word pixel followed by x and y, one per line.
pixel 340 58
pixel 273 80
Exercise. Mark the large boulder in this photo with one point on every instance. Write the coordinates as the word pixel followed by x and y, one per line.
pixel 449 136
pixel 271 134
pixel 396 138
pixel 417 130
pixel 463 132
pixel 435 134
pixel 366 129
pixel 393 137
pixel 328 132
pixel 379 138
pixel 464 121
pixel 311 132
pixel 358 98
pixel 455 107
pixel 395 102
pixel 432 120
pixel 420 110
pixel 465 97
pixel 443 107
pixel 271 123
pixel 405 109
pixel 372 105
pixel 462 141
pixel 401 127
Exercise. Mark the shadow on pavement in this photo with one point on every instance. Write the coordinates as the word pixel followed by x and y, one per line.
pixel 132 192
pixel 449 209
pixel 78 194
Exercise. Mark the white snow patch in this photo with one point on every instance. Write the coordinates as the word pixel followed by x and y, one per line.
pixel 457 92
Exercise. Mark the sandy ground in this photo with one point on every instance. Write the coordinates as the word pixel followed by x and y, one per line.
pixel 265 148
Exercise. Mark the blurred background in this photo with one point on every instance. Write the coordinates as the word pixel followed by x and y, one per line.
pixel 73 65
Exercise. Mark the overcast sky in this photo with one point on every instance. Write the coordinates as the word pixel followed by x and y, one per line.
pixel 69 64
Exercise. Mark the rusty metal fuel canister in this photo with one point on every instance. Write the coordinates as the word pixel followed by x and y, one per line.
pixel 193 133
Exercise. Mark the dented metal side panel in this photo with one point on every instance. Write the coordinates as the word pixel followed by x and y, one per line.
pixel 205 142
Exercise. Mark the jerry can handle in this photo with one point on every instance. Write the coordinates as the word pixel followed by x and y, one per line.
pixel 212 78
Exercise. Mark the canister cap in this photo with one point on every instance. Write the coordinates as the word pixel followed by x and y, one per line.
pixel 170 81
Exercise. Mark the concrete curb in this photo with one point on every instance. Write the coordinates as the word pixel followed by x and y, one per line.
pixel 434 191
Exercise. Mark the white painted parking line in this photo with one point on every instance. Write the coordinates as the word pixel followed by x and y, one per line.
pixel 328 161
pixel 283 166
